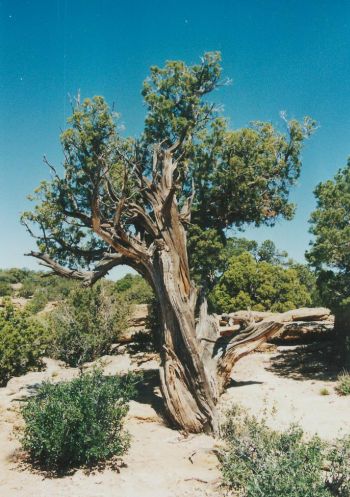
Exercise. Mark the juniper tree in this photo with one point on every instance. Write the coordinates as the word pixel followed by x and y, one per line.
pixel 132 200
pixel 330 251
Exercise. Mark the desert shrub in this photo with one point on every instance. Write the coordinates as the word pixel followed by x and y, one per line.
pixel 261 462
pixel 79 422
pixel 38 301
pixel 28 288
pixel 5 289
pixel 134 288
pixel 14 275
pixel 338 461
pixel 53 287
pixel 343 385
pixel 23 342
pixel 86 324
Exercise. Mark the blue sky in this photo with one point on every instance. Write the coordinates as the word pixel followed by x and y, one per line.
pixel 281 55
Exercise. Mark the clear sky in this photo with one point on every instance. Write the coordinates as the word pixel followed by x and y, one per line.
pixel 288 55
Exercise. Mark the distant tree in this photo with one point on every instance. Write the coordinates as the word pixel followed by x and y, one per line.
pixel 268 252
pixel 330 250
pixel 210 253
pixel 131 201
pixel 134 289
pixel 258 285
pixel 308 278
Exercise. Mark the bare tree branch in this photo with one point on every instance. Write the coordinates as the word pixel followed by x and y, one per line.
pixel 88 278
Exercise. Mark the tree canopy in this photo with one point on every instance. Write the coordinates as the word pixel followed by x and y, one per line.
pixel 222 177
pixel 330 248
pixel 127 200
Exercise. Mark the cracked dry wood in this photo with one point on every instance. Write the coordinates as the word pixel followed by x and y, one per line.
pixel 150 237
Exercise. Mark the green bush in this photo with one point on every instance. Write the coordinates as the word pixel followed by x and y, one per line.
pixel 86 324
pixel 79 422
pixel 38 301
pixel 5 289
pixel 258 285
pixel 14 275
pixel 134 288
pixel 338 461
pixel 261 462
pixel 23 342
pixel 343 385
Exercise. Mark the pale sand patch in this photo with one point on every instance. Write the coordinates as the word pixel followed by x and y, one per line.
pixel 277 381
pixel 161 462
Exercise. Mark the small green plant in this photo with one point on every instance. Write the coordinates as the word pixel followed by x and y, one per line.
pixel 343 385
pixel 261 462
pixel 23 342
pixel 324 391
pixel 79 422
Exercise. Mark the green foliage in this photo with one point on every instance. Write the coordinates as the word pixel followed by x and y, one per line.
pixel 30 282
pixel 343 385
pixel 330 251
pixel 5 289
pixel 330 223
pixel 38 301
pixel 338 458
pixel 206 253
pixel 268 252
pixel 236 176
pixel 13 275
pixel 87 324
pixel 53 287
pixel 235 173
pixel 210 256
pixel 308 278
pixel 134 289
pixel 261 462
pixel 23 342
pixel 261 286
pixel 79 422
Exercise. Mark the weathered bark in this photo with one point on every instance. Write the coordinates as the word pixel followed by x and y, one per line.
pixel 196 362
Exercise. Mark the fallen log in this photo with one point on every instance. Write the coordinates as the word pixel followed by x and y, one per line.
pixel 295 323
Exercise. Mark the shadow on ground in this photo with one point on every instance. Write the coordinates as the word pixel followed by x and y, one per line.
pixel 148 392
pixel 316 361
pixel 235 384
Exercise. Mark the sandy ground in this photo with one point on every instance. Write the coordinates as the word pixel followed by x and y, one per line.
pixel 161 462
pixel 289 383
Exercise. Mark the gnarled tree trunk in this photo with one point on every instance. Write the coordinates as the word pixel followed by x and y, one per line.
pixel 195 361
